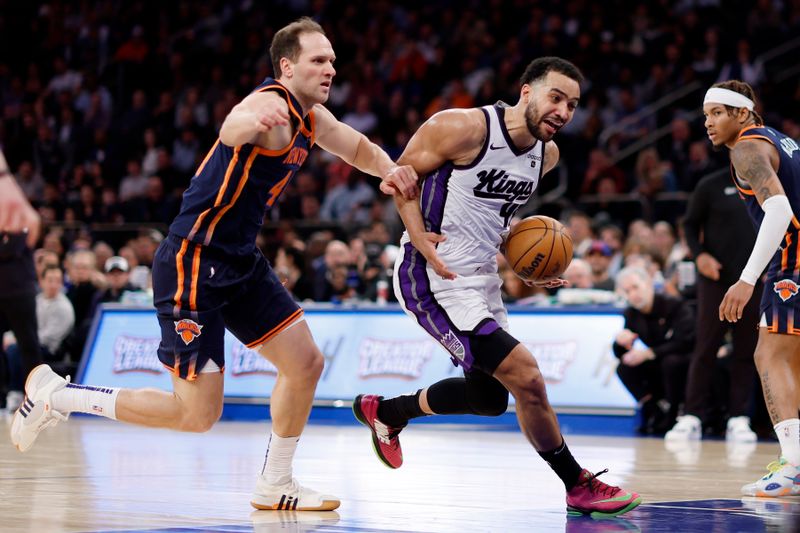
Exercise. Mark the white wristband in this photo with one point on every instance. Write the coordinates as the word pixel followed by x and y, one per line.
pixel 777 216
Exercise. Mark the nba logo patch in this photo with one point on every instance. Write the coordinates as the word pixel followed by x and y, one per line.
pixel 189 329
pixel 785 288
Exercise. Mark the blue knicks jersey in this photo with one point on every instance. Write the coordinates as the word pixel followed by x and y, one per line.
pixel 789 176
pixel 224 206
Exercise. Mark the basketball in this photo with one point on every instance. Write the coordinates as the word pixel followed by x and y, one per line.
pixel 538 248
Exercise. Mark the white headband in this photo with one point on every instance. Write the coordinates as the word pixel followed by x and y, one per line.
pixel 718 95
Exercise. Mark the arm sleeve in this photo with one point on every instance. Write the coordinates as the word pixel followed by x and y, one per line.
pixel 777 216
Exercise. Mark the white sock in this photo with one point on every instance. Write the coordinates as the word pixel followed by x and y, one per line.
pixel 278 462
pixel 101 401
pixel 788 432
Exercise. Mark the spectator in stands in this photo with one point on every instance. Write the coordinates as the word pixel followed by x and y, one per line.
pixel 578 274
pixel 84 282
pixel 614 238
pixel 337 254
pixel 579 226
pixel 349 202
pixel 653 175
pixel 55 319
pixel 653 349
pixel 117 274
pixel 598 257
pixel 290 268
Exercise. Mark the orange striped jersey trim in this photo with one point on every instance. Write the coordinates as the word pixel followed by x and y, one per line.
pixel 277 329
pixel 198 224
pixel 242 182
pixel 181 275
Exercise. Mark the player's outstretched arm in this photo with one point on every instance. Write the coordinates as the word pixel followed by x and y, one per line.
pixel 258 113
pixel 16 214
pixel 355 149
pixel 753 163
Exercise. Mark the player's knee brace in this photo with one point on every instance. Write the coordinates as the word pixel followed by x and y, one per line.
pixel 485 395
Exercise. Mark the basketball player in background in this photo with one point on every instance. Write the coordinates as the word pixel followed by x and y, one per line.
pixel 481 165
pixel 766 170
pixel 208 274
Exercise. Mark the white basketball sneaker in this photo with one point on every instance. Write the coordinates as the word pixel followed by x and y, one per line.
pixel 290 497
pixel 783 479
pixel 36 412
pixel 687 427
pixel 739 430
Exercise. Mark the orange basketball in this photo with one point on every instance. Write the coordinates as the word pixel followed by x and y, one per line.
pixel 538 248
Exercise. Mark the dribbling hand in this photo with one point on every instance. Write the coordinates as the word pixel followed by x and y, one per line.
pixel 553 283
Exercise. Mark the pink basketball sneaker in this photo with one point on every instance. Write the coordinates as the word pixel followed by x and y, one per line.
pixel 593 497
pixel 384 438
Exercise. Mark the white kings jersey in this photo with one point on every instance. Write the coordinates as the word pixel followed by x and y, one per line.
pixel 472 205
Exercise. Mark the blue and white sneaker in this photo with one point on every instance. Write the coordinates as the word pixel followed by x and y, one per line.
pixel 36 412
pixel 783 479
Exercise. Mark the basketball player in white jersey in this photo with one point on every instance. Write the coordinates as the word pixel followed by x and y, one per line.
pixel 481 165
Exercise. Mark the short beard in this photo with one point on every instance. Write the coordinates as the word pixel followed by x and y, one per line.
pixel 533 125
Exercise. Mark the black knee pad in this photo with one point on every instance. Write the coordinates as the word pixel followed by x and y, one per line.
pixel 485 395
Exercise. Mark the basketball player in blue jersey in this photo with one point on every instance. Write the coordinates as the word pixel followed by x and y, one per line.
pixel 481 165
pixel 208 274
pixel 765 167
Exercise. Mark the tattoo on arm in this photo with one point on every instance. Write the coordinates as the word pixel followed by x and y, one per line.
pixel 751 164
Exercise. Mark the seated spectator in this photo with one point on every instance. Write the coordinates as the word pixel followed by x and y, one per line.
pixel 654 349
pixel 350 201
pixel 117 271
pixel 598 256
pixel 653 175
pixel 84 281
pixel 290 267
pixel 578 274
pixel 55 319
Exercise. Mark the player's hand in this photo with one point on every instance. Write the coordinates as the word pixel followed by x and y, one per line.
pixel 635 357
pixel 735 299
pixel 426 244
pixel 403 179
pixel 16 214
pixel 552 283
pixel 270 114
pixel 625 338
pixel 708 266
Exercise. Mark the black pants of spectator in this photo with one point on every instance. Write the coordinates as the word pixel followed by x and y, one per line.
pixel 19 315
pixel 664 377
pixel 710 333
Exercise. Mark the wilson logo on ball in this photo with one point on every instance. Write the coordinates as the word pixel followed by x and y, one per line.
pixel 189 330
pixel 530 269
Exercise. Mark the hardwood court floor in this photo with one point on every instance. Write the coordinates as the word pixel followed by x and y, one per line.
pixel 95 475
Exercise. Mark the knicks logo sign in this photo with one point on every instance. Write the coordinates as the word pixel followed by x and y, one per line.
pixel 188 329
pixel 786 288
